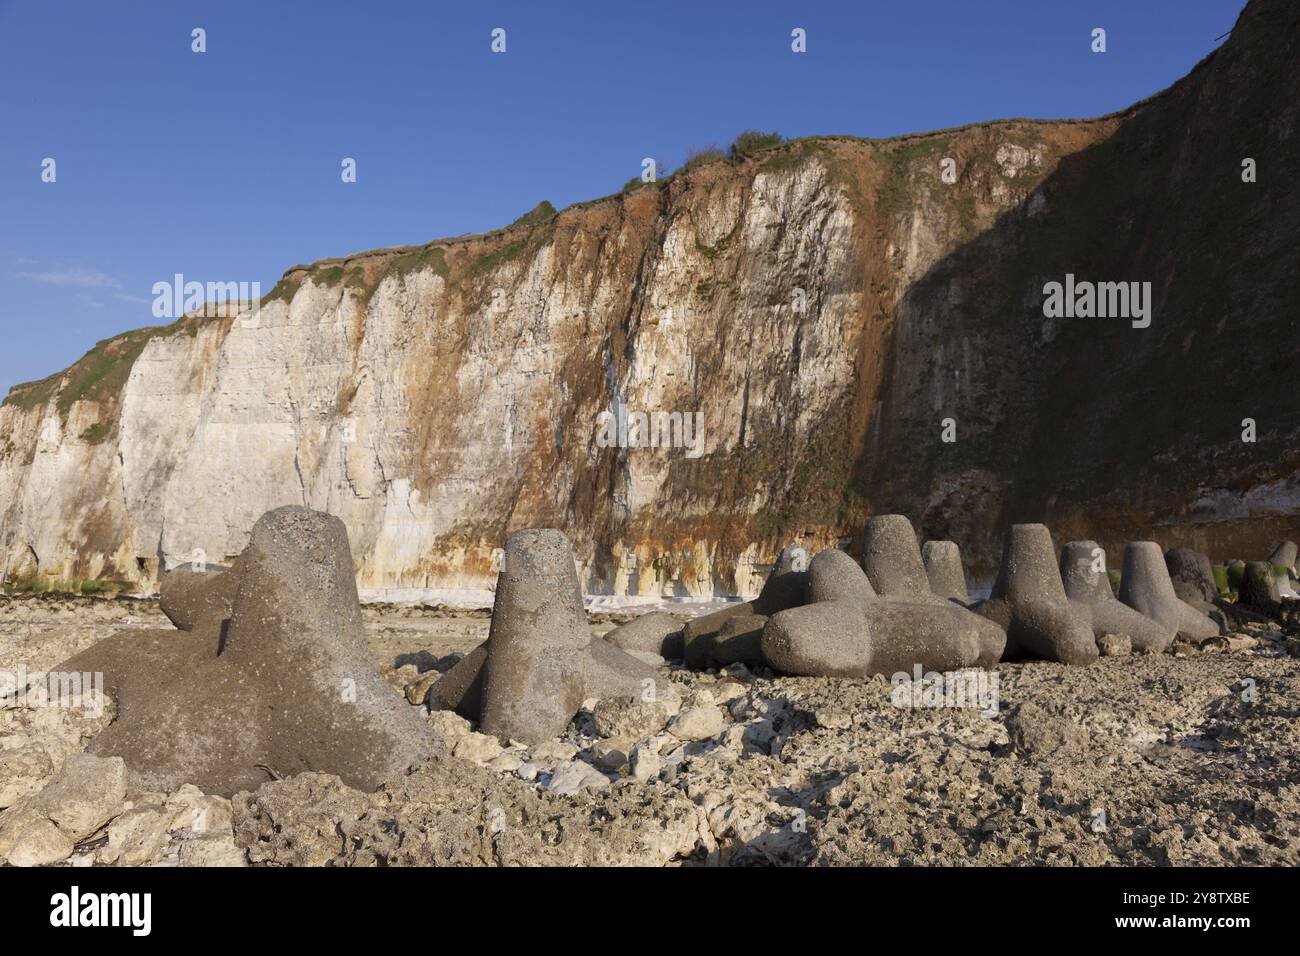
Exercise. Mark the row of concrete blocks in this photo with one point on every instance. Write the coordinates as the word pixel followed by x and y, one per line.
pixel 269 673
pixel 905 605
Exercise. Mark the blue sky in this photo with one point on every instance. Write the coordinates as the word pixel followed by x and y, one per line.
pixel 225 165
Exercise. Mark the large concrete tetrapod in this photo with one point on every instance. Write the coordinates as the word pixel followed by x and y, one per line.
pixel 1259 589
pixel 194 595
pixel 893 563
pixel 1284 554
pixel 943 568
pixel 1029 600
pixel 1145 586
pixel 849 631
pixel 1192 578
pixel 705 644
pixel 656 632
pixel 284 686
pixel 541 661
pixel 1083 569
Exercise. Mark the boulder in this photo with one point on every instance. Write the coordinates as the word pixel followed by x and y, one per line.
pixel 1035 732
pixel 1146 587
pixel 574 776
pixel 644 763
pixel 1083 570
pixel 39 844
pixel 43 827
pixel 542 661
pixel 786 587
pixel 697 723
pixel 657 632
pixel 1029 599
pixel 1115 645
pixel 196 595
pixel 636 718
pixel 943 567
pixel 229 706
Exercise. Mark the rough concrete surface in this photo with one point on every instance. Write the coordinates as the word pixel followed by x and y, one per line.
pixel 1030 602
pixel 1083 570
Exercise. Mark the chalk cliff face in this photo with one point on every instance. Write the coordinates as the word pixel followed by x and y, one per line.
pixel 823 306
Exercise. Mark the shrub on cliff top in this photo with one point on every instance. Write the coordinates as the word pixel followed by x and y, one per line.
pixel 751 141
pixel 697 157
pixel 539 215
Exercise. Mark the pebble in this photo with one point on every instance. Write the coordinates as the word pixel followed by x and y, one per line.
pixel 576 775
pixel 645 763
pixel 478 748
pixel 697 723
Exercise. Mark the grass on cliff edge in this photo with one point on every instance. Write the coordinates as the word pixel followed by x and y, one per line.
pixel 98 375
pixel 539 215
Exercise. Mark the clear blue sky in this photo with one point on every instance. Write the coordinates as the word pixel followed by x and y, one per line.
pixel 224 165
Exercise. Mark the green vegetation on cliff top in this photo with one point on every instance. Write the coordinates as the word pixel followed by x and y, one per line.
pixel 98 375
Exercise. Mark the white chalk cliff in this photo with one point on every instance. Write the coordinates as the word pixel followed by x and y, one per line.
pixel 824 306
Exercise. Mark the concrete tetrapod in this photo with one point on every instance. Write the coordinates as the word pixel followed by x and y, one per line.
pixel 894 566
pixel 1192 578
pixel 1284 554
pixel 285 687
pixel 1259 590
pixel 1145 586
pixel 461 688
pixel 704 644
pixel 656 632
pixel 892 559
pixel 542 661
pixel 943 567
pixel 193 595
pixel 1083 570
pixel 849 631
pixel 1029 600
